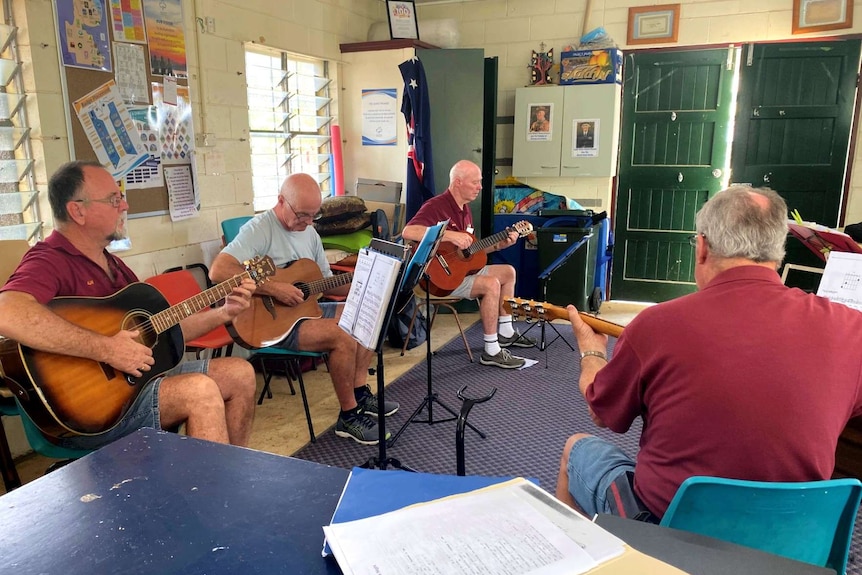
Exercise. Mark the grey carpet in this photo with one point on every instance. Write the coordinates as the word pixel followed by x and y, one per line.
pixel 527 422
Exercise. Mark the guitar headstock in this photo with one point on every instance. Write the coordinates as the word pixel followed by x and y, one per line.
pixel 524 228
pixel 530 310
pixel 260 268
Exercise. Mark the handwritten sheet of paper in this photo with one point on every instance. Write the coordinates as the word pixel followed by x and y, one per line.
pixel 842 279
pixel 513 528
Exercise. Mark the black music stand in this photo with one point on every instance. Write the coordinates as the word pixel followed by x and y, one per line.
pixel 410 274
pixel 430 397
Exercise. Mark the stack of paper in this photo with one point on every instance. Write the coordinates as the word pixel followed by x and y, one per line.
pixel 512 528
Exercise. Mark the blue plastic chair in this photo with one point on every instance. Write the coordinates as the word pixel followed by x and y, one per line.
pixel 290 359
pixel 807 521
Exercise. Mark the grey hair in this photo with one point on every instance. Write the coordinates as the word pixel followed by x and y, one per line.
pixel 737 226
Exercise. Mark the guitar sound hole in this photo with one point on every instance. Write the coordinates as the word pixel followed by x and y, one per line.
pixel 140 321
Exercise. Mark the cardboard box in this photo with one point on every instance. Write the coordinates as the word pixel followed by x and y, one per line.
pixel 379 190
pixel 603 66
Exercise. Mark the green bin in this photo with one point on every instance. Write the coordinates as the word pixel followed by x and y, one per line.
pixel 573 281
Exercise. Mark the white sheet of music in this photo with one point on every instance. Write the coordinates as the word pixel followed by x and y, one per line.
pixel 370 293
pixel 842 279
pixel 513 528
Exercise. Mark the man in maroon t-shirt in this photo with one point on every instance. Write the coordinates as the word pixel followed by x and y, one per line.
pixel 744 379
pixel 215 399
pixel 493 282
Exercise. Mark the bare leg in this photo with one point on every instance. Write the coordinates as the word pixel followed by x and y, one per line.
pixel 324 335
pixel 562 492
pixel 487 289
pixel 193 399
pixel 236 380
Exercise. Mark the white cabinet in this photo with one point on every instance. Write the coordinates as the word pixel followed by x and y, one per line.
pixel 566 131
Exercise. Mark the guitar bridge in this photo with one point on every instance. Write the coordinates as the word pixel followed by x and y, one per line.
pixel 443 264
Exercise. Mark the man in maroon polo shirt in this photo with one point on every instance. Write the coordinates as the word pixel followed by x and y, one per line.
pixel 744 379
pixel 214 398
pixel 493 282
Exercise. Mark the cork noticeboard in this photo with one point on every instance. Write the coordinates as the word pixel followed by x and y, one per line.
pixel 82 81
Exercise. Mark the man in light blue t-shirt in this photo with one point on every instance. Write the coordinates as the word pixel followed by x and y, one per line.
pixel 285 234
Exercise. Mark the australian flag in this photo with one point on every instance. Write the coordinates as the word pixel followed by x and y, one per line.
pixel 417 112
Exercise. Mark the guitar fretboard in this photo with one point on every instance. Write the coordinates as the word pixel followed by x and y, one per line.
pixel 482 244
pixel 326 284
pixel 166 319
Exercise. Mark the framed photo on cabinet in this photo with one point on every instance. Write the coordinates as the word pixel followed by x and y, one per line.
pixel 402 19
pixel 820 15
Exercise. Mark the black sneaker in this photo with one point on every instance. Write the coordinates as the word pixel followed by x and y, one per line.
pixel 369 404
pixel 517 340
pixel 359 427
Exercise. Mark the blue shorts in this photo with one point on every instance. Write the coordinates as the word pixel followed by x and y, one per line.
pixel 292 340
pixel 143 413
pixel 593 465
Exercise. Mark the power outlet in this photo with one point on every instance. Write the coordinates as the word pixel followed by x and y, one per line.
pixel 210 22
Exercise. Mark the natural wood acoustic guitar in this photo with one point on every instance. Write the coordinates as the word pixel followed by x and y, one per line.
pixel 268 321
pixel 530 310
pixel 66 396
pixel 450 265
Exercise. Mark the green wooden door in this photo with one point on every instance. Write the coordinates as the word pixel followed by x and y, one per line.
pixel 673 157
pixel 793 122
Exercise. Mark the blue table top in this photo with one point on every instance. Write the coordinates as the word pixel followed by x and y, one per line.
pixel 156 502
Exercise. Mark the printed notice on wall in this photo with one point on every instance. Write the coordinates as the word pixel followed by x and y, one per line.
pixel 110 130
pixel 379 110
pixel 184 203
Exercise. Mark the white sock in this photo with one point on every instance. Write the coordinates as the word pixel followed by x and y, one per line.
pixel 504 326
pixel 492 347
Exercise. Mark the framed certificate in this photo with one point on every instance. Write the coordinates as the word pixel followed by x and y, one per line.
pixel 402 19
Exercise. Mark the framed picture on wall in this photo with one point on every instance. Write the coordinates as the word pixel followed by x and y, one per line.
pixel 819 15
pixel 653 24
pixel 402 19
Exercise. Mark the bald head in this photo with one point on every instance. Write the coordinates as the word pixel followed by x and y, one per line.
pixel 464 169
pixel 299 186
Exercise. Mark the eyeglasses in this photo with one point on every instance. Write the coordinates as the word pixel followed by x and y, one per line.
pixel 114 200
pixel 303 215
pixel 693 239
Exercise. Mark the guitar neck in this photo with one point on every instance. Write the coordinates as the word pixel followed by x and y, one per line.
pixel 166 319
pixel 326 284
pixel 486 243
pixel 549 312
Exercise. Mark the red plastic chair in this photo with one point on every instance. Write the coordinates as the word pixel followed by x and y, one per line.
pixel 180 285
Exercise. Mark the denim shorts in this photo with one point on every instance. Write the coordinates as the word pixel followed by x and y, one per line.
pixel 463 290
pixel 144 412
pixel 593 465
pixel 292 340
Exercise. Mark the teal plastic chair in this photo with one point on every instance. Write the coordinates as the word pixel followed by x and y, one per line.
pixel 808 521
pixel 230 227
pixel 9 407
pixel 291 360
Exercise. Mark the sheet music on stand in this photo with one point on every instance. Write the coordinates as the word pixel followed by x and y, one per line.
pixel 842 279
pixel 378 270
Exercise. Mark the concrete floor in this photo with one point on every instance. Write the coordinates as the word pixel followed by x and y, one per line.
pixel 279 425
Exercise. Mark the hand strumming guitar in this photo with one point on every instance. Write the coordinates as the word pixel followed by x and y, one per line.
pixel 461 240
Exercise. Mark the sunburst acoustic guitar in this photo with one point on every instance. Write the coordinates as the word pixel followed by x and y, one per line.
pixel 268 321
pixel 67 396
pixel 450 265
